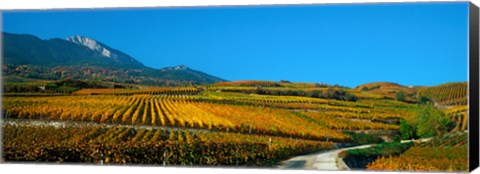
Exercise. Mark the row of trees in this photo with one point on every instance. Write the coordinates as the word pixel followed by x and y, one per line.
pixel 61 86
pixel 329 93
pixel 143 76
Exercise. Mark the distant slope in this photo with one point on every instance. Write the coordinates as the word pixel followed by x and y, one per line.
pixel 387 89
pixel 448 94
pixel 248 83
pixel 78 57
pixel 187 74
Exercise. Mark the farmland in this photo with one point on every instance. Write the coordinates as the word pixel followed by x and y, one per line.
pixel 444 153
pixel 244 123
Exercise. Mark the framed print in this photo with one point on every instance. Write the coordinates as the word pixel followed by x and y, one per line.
pixel 326 87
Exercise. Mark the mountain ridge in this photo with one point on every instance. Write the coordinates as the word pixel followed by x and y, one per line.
pixel 77 56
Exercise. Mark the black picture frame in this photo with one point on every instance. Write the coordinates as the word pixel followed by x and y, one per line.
pixel 473 87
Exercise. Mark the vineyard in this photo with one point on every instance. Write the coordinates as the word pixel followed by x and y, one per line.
pixel 460 116
pixel 445 153
pixel 388 90
pixel 151 91
pixel 142 146
pixel 225 112
pixel 243 123
pixel 453 97
pixel 247 83
pixel 175 111
pixel 447 94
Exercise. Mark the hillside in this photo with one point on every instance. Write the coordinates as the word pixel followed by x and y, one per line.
pixel 448 152
pixel 448 94
pixel 452 98
pixel 78 57
pixel 277 120
pixel 388 89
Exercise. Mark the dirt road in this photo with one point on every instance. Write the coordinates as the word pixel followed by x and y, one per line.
pixel 326 160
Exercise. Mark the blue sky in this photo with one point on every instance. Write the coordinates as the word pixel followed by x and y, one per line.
pixel 349 44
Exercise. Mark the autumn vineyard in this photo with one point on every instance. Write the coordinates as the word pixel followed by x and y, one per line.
pixel 241 123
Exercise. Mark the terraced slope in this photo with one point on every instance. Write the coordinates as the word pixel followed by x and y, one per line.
pixel 443 153
pixel 448 94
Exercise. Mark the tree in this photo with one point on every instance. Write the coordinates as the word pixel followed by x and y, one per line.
pixel 424 100
pixel 430 121
pixel 365 88
pixel 407 131
pixel 400 96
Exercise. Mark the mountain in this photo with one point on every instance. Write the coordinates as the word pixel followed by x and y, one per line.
pixel 79 57
pixel 30 50
pixel 104 50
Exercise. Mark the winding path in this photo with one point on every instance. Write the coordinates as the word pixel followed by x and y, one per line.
pixel 326 160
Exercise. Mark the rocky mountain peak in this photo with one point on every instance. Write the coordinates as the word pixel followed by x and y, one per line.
pixel 91 44
pixel 180 67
